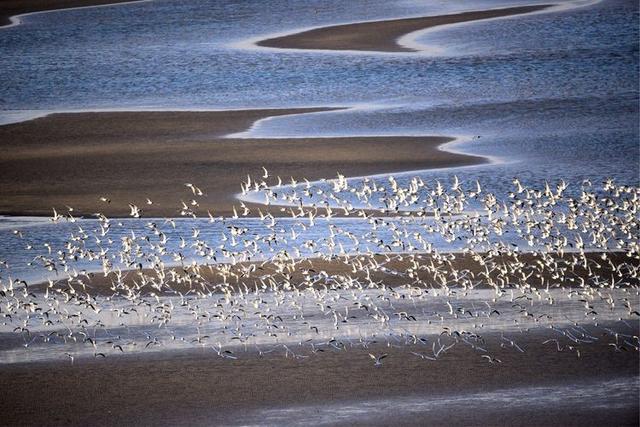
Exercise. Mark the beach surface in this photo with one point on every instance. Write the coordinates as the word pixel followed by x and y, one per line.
pixel 336 386
pixel 9 8
pixel 73 159
pixel 382 36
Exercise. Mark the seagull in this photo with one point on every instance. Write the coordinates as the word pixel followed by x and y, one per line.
pixel 135 211
pixel 195 190
pixel 247 282
pixel 378 359
pixel 491 359
pixel 424 357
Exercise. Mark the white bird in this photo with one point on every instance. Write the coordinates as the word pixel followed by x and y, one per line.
pixel 135 211
pixel 378 359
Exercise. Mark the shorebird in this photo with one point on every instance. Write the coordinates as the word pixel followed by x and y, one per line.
pixel 378 359
pixel 491 359
pixel 135 211
pixel 384 277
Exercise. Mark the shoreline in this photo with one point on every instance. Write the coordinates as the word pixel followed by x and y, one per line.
pixel 11 11
pixel 129 156
pixel 382 36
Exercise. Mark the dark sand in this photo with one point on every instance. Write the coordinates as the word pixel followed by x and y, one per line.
pixel 199 388
pixel 73 159
pixel 9 8
pixel 382 36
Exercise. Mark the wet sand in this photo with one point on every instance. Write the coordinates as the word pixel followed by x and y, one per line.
pixel 75 158
pixel 9 8
pixel 200 388
pixel 382 36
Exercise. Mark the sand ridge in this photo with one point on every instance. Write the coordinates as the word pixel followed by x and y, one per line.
pixel 382 36
pixel 73 159
pixel 13 8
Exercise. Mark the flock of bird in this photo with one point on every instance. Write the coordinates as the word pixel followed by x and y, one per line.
pixel 532 259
